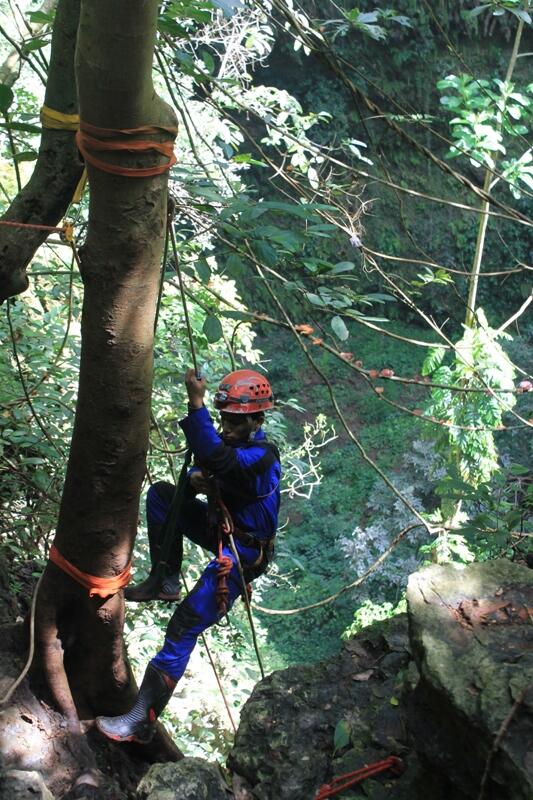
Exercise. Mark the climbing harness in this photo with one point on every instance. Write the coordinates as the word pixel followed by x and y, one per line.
pixel 343 782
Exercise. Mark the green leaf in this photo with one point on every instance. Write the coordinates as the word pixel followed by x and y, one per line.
pixel 381 297
pixel 473 12
pixel 519 469
pixel 234 266
pixel 523 15
pixel 433 359
pixel 394 701
pixel 343 266
pixel 173 28
pixel 203 270
pixel 21 126
pixel 265 253
pixel 315 299
pixel 341 737
pixel 6 98
pixel 247 158
pixel 25 155
pixel 34 44
pixel 186 62
pixel 212 328
pixel 209 61
pixel 40 17
pixel 339 328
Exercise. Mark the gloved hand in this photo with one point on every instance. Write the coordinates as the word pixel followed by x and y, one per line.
pixel 199 483
pixel 196 389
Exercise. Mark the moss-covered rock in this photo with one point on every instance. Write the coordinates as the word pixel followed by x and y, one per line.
pixel 189 779
pixel 472 637
pixel 305 725
pixel 445 712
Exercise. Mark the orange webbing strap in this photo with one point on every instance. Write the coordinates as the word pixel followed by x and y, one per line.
pixel 343 782
pixel 103 587
pixel 90 137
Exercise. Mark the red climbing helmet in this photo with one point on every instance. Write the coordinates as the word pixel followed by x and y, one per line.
pixel 244 392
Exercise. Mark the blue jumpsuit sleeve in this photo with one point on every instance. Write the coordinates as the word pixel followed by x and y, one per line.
pixel 235 463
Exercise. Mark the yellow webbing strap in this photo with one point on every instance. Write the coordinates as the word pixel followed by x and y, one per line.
pixel 50 118
pixel 56 120
pixel 80 188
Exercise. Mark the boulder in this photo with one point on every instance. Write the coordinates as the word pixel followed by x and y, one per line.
pixel 189 779
pixel 447 689
pixel 305 725
pixel 471 631
pixel 18 784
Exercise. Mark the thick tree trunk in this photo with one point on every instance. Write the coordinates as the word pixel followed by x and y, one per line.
pixel 120 271
pixel 45 198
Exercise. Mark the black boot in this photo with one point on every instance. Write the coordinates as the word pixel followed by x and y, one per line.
pixel 138 725
pixel 163 582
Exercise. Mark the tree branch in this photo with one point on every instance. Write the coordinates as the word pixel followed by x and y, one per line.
pixel 47 195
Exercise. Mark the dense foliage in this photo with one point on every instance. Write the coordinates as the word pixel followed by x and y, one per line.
pixel 309 248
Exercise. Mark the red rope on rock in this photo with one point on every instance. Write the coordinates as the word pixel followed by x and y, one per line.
pixel 343 782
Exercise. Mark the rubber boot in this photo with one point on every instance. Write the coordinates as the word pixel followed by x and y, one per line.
pixel 169 588
pixel 138 725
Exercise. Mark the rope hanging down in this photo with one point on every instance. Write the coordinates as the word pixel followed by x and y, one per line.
pixel 90 137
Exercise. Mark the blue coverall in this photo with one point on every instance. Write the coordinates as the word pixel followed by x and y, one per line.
pixel 248 475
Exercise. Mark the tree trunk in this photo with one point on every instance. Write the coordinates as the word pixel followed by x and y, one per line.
pixel 81 638
pixel 45 198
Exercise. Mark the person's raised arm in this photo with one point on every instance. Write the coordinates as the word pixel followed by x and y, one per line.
pixel 196 389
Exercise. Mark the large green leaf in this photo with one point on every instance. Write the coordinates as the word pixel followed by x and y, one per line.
pixel 203 270
pixel 341 737
pixel 339 328
pixel 6 98
pixel 212 328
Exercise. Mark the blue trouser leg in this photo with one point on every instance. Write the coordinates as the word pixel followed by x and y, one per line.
pixel 199 609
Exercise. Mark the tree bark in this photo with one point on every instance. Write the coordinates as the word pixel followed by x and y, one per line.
pixel 81 638
pixel 46 197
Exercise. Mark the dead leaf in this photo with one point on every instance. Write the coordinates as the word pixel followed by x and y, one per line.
pixel 363 676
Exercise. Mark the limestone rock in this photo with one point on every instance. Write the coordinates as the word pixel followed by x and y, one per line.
pixel 18 784
pixel 285 746
pixel 472 637
pixel 189 779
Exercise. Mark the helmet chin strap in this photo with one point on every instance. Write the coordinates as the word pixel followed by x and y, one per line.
pixel 251 435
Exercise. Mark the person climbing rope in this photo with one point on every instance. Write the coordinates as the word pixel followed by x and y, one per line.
pixel 240 473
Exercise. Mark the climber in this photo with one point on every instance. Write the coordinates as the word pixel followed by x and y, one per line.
pixel 243 469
